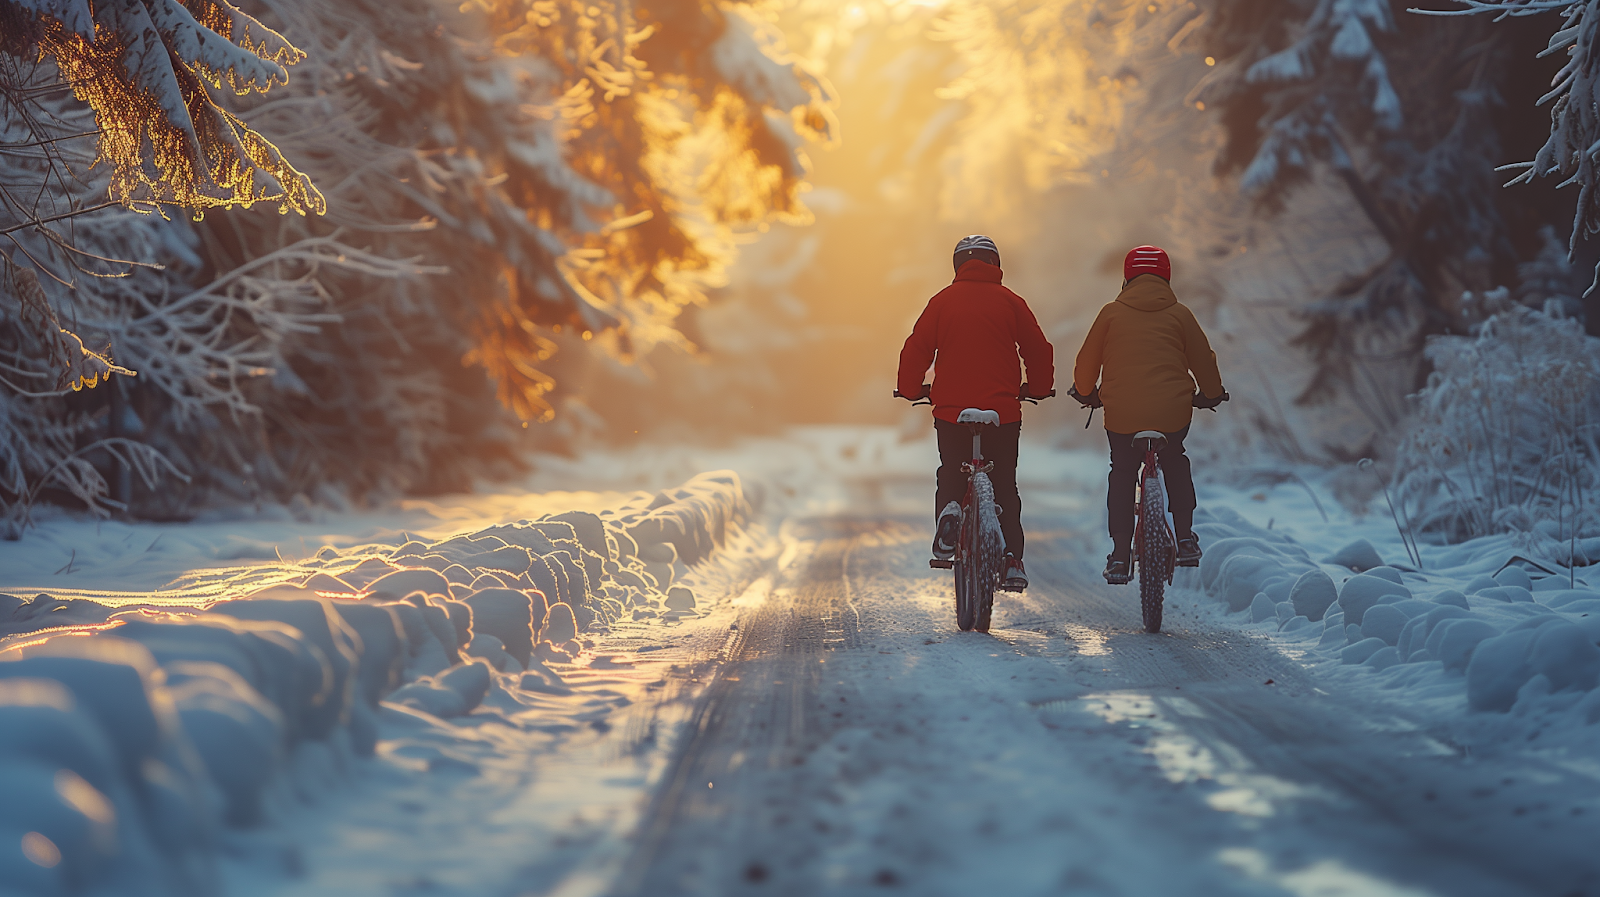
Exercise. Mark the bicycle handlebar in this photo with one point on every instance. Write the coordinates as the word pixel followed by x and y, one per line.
pixel 1199 400
pixel 1025 397
pixel 924 400
pixel 915 400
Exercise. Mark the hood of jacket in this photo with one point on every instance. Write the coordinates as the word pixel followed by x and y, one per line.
pixel 976 269
pixel 1147 292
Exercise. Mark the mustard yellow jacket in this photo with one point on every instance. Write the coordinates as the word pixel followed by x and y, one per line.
pixel 1142 349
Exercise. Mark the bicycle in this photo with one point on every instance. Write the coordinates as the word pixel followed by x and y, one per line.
pixel 1155 546
pixel 979 562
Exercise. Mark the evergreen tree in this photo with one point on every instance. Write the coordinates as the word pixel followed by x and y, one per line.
pixel 499 179
pixel 1407 115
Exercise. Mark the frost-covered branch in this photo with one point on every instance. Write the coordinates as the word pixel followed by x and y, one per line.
pixel 1572 150
pixel 143 67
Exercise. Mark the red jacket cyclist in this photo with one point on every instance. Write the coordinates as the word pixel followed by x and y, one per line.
pixel 972 333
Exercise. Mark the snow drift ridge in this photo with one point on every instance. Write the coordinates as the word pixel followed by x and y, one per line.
pixel 128 734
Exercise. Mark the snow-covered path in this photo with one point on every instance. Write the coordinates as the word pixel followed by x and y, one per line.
pixel 818 726
pixel 856 742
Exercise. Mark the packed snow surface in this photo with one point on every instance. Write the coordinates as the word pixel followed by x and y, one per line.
pixel 510 694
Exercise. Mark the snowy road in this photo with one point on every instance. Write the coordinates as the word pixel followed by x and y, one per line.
pixel 856 743
pixel 818 726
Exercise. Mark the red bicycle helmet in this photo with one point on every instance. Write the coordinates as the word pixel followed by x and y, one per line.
pixel 1147 260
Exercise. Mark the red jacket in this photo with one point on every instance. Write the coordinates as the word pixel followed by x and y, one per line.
pixel 972 331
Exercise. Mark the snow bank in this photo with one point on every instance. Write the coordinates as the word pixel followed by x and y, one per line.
pixel 129 734
pixel 1512 640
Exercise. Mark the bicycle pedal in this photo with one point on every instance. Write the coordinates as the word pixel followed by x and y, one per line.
pixel 942 565
pixel 1119 580
pixel 1010 588
pixel 1189 563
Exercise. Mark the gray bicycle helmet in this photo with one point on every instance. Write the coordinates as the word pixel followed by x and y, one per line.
pixel 976 246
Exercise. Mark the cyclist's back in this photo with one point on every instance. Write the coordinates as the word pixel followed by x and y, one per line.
pixel 1143 346
pixel 972 329
pixel 1142 349
pixel 972 332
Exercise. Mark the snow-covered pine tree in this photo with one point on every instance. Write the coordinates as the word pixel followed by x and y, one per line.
pixel 693 118
pixel 144 67
pixel 1572 150
pixel 455 145
pixel 97 289
pixel 1402 113
pixel 337 358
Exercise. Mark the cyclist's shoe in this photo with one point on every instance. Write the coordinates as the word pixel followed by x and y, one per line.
pixel 1119 568
pixel 948 532
pixel 1016 575
pixel 1189 551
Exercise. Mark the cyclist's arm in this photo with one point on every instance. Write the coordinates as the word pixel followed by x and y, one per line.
pixel 1201 359
pixel 917 353
pixel 1086 373
pixel 1038 356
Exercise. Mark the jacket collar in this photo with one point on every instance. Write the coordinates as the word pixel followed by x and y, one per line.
pixel 1147 292
pixel 979 270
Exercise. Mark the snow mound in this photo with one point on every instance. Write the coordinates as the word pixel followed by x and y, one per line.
pixel 1504 642
pixel 129 734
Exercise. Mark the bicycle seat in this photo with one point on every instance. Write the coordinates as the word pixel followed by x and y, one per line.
pixel 1158 439
pixel 979 416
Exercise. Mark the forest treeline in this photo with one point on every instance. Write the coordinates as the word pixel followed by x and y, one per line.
pixel 308 251
pixel 459 190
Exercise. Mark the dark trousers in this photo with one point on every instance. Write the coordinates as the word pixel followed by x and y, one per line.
pixel 999 446
pixel 1126 460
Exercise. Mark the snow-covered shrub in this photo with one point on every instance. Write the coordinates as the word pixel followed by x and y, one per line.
pixel 1504 435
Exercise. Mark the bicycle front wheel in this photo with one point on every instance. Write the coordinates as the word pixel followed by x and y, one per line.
pixel 1156 554
pixel 986 552
pixel 966 613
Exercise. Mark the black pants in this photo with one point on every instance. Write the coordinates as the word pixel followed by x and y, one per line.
pixel 999 446
pixel 1126 460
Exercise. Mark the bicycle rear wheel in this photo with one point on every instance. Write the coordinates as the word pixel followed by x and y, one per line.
pixel 1156 553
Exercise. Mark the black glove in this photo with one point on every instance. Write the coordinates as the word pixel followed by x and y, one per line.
pixel 1092 400
pixel 1199 400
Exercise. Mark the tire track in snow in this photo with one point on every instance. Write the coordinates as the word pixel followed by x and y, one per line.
pixel 1401 793
pixel 855 743
pixel 753 717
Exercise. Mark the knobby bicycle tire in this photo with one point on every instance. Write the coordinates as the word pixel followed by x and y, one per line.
pixel 966 610
pixel 1157 552
pixel 990 551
